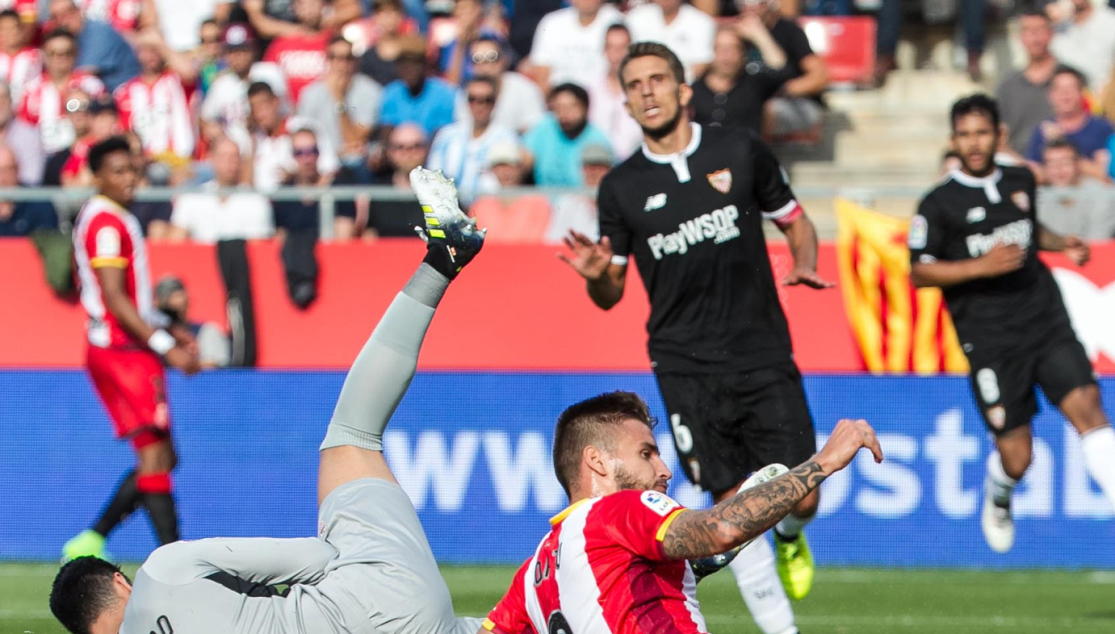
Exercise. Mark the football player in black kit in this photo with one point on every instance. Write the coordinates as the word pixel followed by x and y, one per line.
pixel 976 237
pixel 689 207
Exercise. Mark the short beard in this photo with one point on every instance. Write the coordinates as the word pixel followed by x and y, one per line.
pixel 987 170
pixel 665 129
pixel 573 132
pixel 627 482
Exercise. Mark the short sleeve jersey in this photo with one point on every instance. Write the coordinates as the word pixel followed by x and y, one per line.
pixel 106 235
pixel 602 570
pixel 964 217
pixel 693 222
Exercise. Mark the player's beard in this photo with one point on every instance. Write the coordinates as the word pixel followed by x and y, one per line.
pixel 627 482
pixel 666 128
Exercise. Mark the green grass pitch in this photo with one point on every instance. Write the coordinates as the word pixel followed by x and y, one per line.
pixel 844 601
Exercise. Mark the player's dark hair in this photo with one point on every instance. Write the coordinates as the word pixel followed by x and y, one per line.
pixel 111 145
pixel 82 590
pixel 579 93
pixel 587 423
pixel 9 14
pixel 975 104
pixel 1061 143
pixel 1065 69
pixel 653 49
pixel 338 38
pixel 57 33
pixel 260 88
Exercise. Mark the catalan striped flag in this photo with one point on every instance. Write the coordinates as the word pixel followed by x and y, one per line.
pixel 898 328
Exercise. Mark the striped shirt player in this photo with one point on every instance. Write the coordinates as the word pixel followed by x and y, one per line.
pixel 159 113
pixel 44 105
pixel 602 570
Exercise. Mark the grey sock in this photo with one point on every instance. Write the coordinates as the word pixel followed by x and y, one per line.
pixel 385 366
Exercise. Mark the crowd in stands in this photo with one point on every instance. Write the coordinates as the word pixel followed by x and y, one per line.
pixel 241 99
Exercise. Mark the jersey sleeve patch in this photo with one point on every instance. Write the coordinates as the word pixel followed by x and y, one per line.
pixel 919 232
pixel 660 503
pixel 107 243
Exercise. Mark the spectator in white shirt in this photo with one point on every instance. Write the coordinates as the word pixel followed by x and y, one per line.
pixel 272 150
pixel 569 43
pixel 686 30
pixel 225 110
pixel 607 100
pixel 519 102
pixel 460 150
pixel 211 216
pixel 1085 38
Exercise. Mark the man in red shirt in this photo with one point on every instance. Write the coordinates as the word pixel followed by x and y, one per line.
pixel 615 560
pixel 128 342
pixel 42 103
pixel 302 55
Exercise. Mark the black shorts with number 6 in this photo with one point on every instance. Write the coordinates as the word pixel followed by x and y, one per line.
pixel 1003 381
pixel 728 425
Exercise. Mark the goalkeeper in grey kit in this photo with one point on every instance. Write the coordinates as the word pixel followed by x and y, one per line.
pixel 371 568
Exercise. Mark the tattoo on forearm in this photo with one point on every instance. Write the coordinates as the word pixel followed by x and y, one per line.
pixel 697 534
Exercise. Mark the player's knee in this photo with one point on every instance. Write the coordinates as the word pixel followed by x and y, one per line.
pixel 1083 408
pixel 1015 463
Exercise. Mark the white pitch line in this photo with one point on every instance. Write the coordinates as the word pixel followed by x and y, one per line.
pixel 933 577
pixel 911 620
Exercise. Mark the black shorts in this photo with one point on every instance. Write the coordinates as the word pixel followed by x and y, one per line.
pixel 1003 383
pixel 728 425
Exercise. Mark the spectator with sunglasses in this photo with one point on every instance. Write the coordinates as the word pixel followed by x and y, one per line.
pixel 43 104
pixel 519 102
pixel 344 103
pixel 299 216
pixel 460 150
pixel 406 150
pixel 273 151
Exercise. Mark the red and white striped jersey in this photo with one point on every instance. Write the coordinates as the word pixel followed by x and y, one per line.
pixel 123 15
pixel 159 113
pixel 602 570
pixel 44 106
pixel 106 234
pixel 18 70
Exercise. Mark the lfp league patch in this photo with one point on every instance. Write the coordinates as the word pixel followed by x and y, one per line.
pixel 660 503
pixel 919 232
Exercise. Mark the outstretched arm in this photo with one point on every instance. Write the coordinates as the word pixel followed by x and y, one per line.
pixel 750 513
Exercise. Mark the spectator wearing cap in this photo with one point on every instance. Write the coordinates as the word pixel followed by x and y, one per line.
pixel 19 61
pixel 516 219
pixel 103 122
pixel 575 211
pixel 1024 96
pixel 344 103
pixel 1080 206
pixel 21 218
pixel 1071 121
pixel 273 154
pixel 153 105
pixel 382 36
pixel 684 28
pixel 460 150
pixel 608 100
pixel 1084 38
pixel 557 141
pixel 213 344
pixel 43 104
pixel 305 215
pixel 301 55
pixel 225 210
pixel 23 139
pixel 406 150
pixel 225 109
pixel 569 43
pixel 101 51
pixel 416 96
pixel 519 102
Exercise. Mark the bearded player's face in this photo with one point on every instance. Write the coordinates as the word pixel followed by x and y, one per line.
pixel 974 138
pixel 636 463
pixel 654 97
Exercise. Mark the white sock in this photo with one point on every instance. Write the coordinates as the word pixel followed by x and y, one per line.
pixel 761 588
pixel 791 525
pixel 1099 458
pixel 999 485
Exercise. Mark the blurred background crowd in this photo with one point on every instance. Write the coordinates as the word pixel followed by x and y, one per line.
pixel 237 100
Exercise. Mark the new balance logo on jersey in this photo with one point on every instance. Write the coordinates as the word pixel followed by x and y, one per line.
pixel 657 201
pixel 1018 232
pixel 719 226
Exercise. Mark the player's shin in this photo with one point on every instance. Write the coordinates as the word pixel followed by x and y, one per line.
pixel 791 525
pixel 385 366
pixel 762 589
pixel 123 503
pixel 1099 458
pixel 155 491
pixel 998 484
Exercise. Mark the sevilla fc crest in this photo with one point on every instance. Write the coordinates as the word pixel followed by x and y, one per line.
pixel 1021 200
pixel 721 180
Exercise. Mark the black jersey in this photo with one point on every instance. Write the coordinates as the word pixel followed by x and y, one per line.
pixel 965 217
pixel 693 222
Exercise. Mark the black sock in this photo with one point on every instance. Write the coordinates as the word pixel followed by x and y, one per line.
pixel 164 516
pixel 123 503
